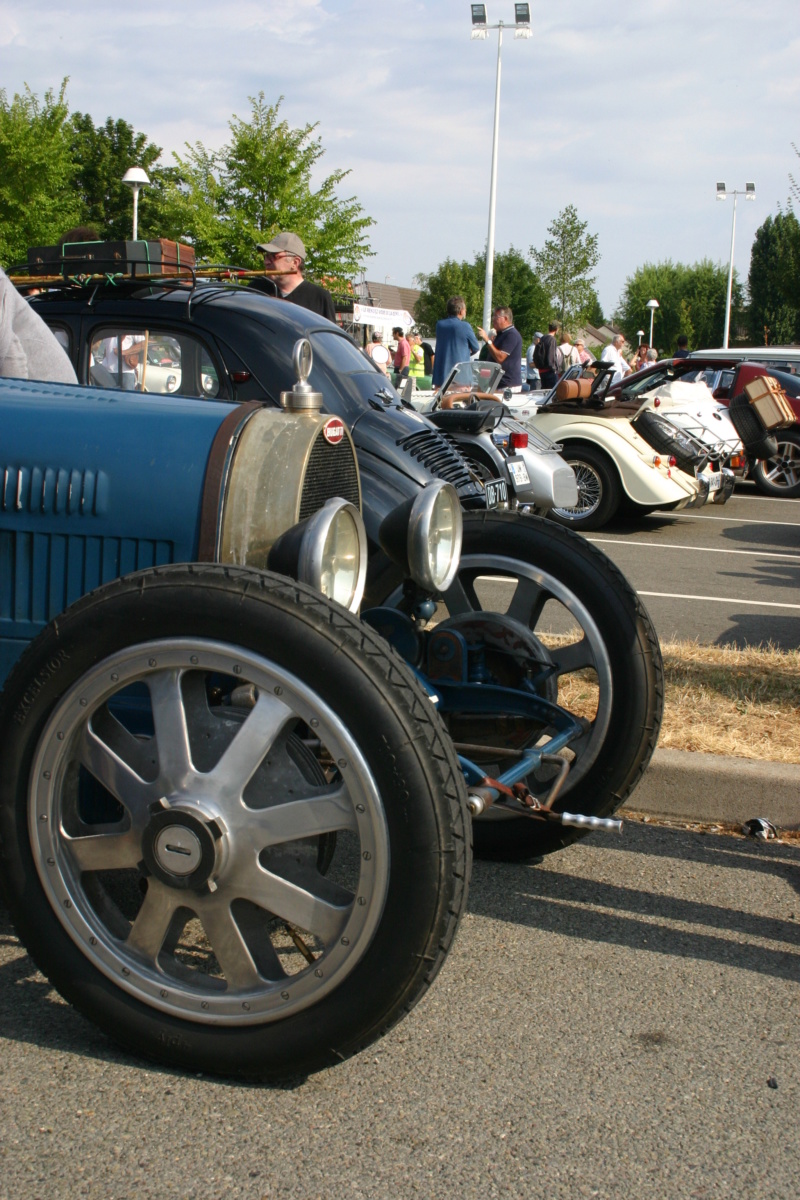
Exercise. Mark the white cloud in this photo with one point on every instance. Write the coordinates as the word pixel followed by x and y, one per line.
pixel 629 112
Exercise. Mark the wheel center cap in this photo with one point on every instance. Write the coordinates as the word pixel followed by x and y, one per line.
pixel 182 848
pixel 177 850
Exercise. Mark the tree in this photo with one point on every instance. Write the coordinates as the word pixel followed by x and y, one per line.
pixel 38 200
pixel 564 265
pixel 514 284
pixel 102 155
pixel 774 281
pixel 593 312
pixel 260 183
pixel 691 301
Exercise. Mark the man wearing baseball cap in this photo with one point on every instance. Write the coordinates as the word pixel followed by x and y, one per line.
pixel 287 253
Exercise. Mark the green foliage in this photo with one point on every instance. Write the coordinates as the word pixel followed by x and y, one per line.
pixel 691 299
pixel 57 171
pixel 101 156
pixel 514 284
pixel 38 200
pixel 259 184
pixel 593 312
pixel 564 265
pixel 774 281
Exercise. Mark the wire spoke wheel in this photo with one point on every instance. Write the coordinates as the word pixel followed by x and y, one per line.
pixel 599 488
pixel 590 491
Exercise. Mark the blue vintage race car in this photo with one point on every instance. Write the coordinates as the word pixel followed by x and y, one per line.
pixel 232 823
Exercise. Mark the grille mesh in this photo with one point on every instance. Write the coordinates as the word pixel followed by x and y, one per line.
pixel 332 471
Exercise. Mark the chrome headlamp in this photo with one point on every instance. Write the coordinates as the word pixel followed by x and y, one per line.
pixel 423 536
pixel 328 552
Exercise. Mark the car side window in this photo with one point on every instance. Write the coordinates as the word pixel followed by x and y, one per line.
pixel 61 334
pixel 161 362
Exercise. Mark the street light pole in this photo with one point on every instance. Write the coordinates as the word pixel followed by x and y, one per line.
pixel 489 276
pixel 652 305
pixel 480 29
pixel 722 194
pixel 135 178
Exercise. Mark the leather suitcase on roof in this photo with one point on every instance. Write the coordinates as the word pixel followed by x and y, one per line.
pixel 129 258
pixel 768 399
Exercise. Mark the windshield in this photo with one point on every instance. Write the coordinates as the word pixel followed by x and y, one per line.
pixel 474 376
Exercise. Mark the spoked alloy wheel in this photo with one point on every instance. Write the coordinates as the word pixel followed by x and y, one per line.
pixel 780 476
pixel 596 642
pixel 203 839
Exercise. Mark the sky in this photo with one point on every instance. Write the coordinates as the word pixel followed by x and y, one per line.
pixel 629 111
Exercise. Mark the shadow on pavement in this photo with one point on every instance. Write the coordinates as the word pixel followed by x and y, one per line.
pixel 543 897
pixel 761 629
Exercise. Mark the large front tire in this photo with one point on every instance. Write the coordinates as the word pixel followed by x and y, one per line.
pixel 598 639
pixel 180 750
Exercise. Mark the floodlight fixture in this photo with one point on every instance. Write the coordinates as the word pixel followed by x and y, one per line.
pixel 479 21
pixel 749 191
pixel 522 17
pixel 722 191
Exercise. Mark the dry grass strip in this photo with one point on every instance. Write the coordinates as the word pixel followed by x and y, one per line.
pixel 718 700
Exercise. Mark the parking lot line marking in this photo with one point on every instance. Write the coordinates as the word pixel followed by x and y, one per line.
pixel 681 516
pixel 720 599
pixel 702 549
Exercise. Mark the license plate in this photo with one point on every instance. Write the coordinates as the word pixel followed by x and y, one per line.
pixel 496 492
pixel 714 482
pixel 519 473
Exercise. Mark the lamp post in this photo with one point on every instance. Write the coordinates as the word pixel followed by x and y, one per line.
pixel 640 335
pixel 135 178
pixel 749 193
pixel 480 29
pixel 652 305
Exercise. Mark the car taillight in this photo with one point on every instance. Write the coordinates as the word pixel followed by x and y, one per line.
pixel 656 403
pixel 519 441
pixel 673 462
pixel 656 460
pixel 737 461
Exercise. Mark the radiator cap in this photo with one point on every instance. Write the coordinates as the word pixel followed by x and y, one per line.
pixel 302 397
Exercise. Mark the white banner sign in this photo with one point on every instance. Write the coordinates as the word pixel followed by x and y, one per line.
pixel 363 314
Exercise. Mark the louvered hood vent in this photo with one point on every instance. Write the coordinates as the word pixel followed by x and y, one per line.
pixel 440 455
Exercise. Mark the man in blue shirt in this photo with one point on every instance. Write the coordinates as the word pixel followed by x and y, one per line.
pixel 505 348
pixel 455 341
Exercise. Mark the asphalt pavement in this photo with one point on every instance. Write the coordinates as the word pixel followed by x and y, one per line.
pixel 619 1021
pixel 726 576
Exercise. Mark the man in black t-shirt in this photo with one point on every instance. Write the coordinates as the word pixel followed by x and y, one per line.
pixel 287 253
pixel 545 357
pixel 505 348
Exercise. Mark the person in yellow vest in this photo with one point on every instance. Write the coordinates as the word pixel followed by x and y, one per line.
pixel 416 367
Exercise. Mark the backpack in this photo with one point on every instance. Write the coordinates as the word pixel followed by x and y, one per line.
pixel 561 362
pixel 538 355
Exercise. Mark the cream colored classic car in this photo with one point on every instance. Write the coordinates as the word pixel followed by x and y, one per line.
pixel 616 465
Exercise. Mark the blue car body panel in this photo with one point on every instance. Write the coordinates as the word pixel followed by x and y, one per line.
pixel 93 484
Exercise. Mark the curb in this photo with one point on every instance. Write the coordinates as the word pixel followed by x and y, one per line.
pixel 716 787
